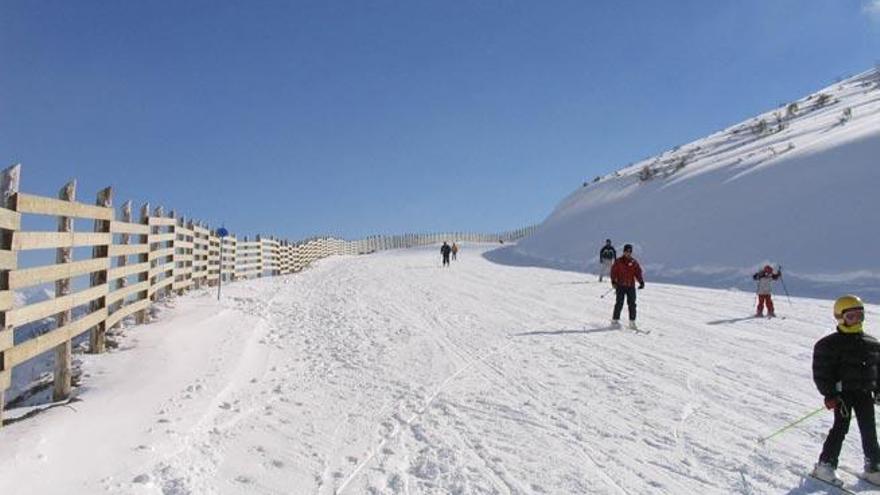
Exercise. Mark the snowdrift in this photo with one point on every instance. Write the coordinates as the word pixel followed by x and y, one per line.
pixel 795 186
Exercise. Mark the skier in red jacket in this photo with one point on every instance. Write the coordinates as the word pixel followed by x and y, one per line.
pixel 625 272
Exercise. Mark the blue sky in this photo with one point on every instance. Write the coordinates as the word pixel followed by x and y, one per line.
pixel 361 117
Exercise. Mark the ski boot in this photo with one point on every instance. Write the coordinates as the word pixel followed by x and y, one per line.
pixel 632 325
pixel 826 473
pixel 872 472
pixel 615 323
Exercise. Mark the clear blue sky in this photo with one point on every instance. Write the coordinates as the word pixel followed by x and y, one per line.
pixel 358 117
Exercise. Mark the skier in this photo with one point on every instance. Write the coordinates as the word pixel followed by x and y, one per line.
pixel 607 256
pixel 764 279
pixel 624 273
pixel 846 364
pixel 444 251
pixel 454 250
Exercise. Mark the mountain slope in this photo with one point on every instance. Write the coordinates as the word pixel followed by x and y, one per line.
pixel 388 374
pixel 794 187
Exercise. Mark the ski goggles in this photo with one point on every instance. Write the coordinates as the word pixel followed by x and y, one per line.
pixel 853 316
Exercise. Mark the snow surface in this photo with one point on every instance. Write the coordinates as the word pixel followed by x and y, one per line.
pixel 804 197
pixel 389 374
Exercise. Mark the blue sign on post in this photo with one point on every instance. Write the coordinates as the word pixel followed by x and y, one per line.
pixel 221 232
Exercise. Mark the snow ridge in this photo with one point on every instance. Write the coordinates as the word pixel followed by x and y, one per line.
pixel 794 186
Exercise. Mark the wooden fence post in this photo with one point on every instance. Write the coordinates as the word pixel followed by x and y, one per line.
pixel 97 338
pixel 141 316
pixel 62 288
pixel 9 182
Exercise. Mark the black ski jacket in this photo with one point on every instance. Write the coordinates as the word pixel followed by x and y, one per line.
pixel 445 250
pixel 851 359
pixel 607 253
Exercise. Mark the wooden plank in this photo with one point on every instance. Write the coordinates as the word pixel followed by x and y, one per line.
pixel 10 220
pixel 158 270
pixel 33 312
pixel 124 271
pixel 154 238
pixel 128 249
pixel 125 311
pixel 129 228
pixel 121 294
pixel 161 253
pixel 7 299
pixel 180 285
pixel 38 345
pixel 22 241
pixel 8 260
pixel 28 203
pixel 7 339
pixel 161 221
pixel 33 276
pixel 160 285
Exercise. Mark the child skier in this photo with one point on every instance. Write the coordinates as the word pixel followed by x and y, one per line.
pixel 764 280
pixel 845 370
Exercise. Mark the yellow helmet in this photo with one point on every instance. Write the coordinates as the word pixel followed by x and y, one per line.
pixel 843 304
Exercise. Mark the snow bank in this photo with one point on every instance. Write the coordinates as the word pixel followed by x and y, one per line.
pixel 798 190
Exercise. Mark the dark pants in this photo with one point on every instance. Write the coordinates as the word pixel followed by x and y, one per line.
pixel 862 404
pixel 445 259
pixel 630 294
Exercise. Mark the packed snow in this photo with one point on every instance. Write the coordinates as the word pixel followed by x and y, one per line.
pixel 796 186
pixel 389 374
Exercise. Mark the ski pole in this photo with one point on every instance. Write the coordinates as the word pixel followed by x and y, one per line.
pixel 782 279
pixel 786 427
pixel 606 293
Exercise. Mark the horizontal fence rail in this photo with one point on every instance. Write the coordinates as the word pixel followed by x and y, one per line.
pixel 135 261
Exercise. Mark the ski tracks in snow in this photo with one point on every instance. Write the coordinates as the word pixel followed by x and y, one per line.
pixel 385 374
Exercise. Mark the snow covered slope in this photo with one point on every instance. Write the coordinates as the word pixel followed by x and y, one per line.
pixel 797 188
pixel 387 374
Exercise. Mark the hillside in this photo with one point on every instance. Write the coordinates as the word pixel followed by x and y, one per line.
pixel 795 186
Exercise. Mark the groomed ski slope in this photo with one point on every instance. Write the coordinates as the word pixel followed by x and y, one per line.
pixel 388 374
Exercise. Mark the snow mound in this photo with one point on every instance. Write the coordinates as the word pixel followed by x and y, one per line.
pixel 795 186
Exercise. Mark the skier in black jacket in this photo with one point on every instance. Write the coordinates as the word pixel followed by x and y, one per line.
pixel 846 370
pixel 444 251
pixel 607 257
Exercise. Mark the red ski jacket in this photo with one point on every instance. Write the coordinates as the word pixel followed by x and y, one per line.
pixel 625 271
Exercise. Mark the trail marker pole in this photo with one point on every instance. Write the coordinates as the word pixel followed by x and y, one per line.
pixel 782 279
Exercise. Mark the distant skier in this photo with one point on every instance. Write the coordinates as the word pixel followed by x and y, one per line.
pixel 846 365
pixel 444 251
pixel 624 273
pixel 607 257
pixel 764 279
pixel 454 250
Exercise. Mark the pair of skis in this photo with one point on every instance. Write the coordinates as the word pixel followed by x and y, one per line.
pixel 843 488
pixel 626 327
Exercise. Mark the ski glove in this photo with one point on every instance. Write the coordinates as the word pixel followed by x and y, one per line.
pixel 832 402
pixel 641 285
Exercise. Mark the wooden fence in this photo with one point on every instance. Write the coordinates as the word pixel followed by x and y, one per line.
pixel 134 261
